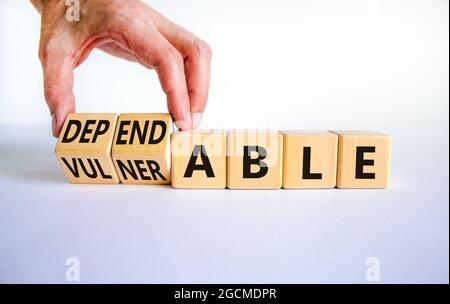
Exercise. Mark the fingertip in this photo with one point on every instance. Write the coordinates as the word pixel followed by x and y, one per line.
pixel 182 122
pixel 55 131
pixel 57 124
pixel 59 115
pixel 196 119
pixel 178 106
pixel 183 125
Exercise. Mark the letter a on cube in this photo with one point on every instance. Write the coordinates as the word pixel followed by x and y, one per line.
pixel 254 159
pixel 84 148
pixel 141 148
pixel 363 159
pixel 199 159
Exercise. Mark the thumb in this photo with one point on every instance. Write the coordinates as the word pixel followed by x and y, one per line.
pixel 58 89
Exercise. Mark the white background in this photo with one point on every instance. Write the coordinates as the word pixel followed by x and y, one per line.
pixel 155 234
pixel 379 65
pixel 280 64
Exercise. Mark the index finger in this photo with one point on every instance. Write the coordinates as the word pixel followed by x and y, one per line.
pixel 197 62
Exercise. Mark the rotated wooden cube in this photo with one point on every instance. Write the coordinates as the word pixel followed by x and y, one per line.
pixel 254 159
pixel 199 159
pixel 309 159
pixel 141 148
pixel 363 159
pixel 84 148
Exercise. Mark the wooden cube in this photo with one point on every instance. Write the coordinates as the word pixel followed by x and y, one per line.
pixel 254 159
pixel 199 159
pixel 309 159
pixel 84 148
pixel 141 148
pixel 363 159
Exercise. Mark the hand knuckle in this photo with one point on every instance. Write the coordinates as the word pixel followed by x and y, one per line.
pixel 174 56
pixel 202 48
pixel 50 93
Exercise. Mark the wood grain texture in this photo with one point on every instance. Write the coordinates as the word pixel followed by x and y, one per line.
pixel 309 159
pixel 244 170
pixel 206 150
pixel 363 159
pixel 84 148
pixel 141 148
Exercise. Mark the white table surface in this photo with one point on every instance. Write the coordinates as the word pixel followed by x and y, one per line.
pixel 154 234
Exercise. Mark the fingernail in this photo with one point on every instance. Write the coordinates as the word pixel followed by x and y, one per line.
pixel 196 119
pixel 185 124
pixel 182 125
pixel 54 125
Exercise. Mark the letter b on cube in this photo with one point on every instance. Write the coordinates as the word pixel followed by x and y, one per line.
pixel 254 159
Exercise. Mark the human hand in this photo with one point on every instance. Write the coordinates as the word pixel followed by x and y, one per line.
pixel 131 30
